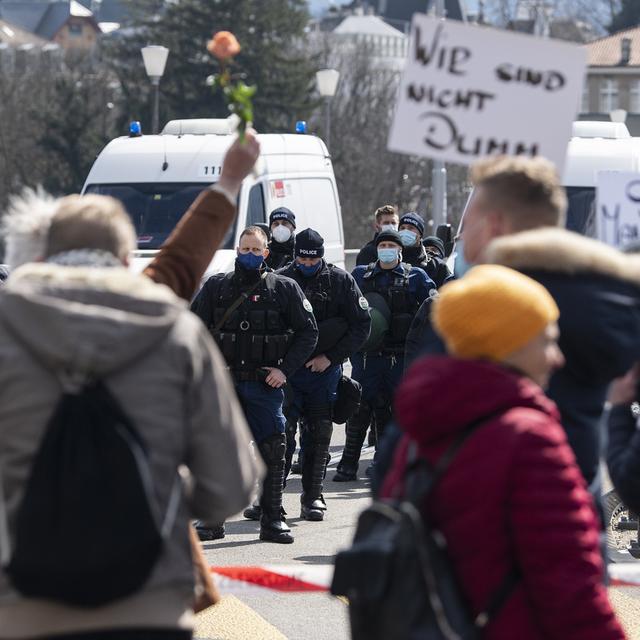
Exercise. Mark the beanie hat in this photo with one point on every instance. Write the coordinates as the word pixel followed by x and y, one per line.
pixel 434 241
pixel 309 244
pixel 491 312
pixel 282 213
pixel 388 236
pixel 415 220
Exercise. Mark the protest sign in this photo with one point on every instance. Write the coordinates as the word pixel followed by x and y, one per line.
pixel 618 207
pixel 469 91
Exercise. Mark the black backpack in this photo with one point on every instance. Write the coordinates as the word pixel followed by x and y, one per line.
pixel 88 530
pixel 397 576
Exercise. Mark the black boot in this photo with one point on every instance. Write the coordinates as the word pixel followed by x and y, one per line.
pixel 272 525
pixel 313 471
pixel 208 532
pixel 254 512
pixel 356 430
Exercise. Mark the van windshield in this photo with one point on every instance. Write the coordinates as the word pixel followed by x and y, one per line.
pixel 155 208
pixel 581 210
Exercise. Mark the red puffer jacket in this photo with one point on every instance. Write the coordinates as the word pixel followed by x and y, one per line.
pixel 513 496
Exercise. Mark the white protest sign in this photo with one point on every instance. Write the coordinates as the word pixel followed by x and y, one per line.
pixel 618 207
pixel 470 91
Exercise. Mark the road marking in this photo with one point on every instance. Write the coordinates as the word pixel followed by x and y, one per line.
pixel 230 619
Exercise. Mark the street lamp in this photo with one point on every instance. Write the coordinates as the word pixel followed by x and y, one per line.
pixel 327 81
pixel 155 60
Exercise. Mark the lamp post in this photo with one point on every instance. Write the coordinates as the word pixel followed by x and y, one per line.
pixel 327 81
pixel 155 60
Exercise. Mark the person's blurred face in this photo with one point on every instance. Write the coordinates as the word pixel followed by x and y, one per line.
pixel 387 219
pixel 255 244
pixel 308 262
pixel 540 357
pixel 481 224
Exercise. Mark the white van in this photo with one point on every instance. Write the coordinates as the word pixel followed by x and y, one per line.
pixel 157 177
pixel 594 146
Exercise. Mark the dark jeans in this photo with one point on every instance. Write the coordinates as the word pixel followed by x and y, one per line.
pixel 126 634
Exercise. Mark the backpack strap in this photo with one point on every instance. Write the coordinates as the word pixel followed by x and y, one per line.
pixel 237 302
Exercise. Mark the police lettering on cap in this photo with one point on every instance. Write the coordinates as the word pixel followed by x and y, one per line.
pixel 309 244
pixel 415 220
pixel 389 236
pixel 282 213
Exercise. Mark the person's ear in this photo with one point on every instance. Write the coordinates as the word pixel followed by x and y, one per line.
pixel 265 253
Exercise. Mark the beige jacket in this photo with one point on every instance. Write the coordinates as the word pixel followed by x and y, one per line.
pixel 159 361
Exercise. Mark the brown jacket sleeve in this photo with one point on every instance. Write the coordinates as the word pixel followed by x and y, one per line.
pixel 189 249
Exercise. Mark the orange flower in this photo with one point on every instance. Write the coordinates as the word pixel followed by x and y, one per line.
pixel 224 45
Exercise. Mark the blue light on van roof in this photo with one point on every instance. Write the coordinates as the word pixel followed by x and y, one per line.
pixel 135 129
pixel 301 126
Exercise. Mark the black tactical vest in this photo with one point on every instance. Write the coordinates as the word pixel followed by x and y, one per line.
pixel 319 292
pixel 255 334
pixel 402 304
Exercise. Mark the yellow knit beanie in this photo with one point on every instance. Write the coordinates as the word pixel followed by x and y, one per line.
pixel 491 312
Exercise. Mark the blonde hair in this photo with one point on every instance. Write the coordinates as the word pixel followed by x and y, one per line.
pixel 386 210
pixel 255 231
pixel 91 222
pixel 26 226
pixel 526 190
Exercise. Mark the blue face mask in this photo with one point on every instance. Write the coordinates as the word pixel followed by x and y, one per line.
pixel 408 237
pixel 306 271
pixel 388 255
pixel 460 265
pixel 250 261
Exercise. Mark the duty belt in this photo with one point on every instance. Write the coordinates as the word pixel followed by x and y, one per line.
pixel 249 376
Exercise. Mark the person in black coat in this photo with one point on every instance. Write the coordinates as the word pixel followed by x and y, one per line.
pixel 386 219
pixel 282 224
pixel 623 449
pixel 437 266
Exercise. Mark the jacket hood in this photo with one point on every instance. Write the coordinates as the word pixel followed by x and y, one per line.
pixel 440 396
pixel 89 321
pixel 561 251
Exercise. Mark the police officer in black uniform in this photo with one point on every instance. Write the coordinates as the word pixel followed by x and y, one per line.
pixel 342 314
pixel 401 289
pixel 266 331
pixel 282 222
pixel 385 219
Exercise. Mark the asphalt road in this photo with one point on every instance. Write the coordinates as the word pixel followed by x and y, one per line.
pixel 270 614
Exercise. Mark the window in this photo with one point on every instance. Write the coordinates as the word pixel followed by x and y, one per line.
pixel 255 208
pixel 75 28
pixel 608 95
pixel 634 96
pixel 584 104
pixel 155 208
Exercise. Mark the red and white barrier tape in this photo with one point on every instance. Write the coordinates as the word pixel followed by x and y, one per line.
pixel 285 578
pixel 317 578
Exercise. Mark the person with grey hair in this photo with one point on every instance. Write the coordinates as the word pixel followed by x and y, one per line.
pixel 79 316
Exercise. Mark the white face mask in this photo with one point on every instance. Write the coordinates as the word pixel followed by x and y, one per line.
pixel 281 233
pixel 388 227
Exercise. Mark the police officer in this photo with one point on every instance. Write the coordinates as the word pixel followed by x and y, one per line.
pixel 400 289
pixel 385 219
pixel 265 329
pixel 282 222
pixel 437 268
pixel 342 314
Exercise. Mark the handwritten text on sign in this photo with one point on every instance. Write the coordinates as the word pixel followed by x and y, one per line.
pixel 618 208
pixel 469 92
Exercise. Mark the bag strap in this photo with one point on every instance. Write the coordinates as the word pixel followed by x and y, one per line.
pixel 237 302
pixel 421 477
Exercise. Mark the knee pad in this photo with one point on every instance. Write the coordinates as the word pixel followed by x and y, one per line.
pixel 273 448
